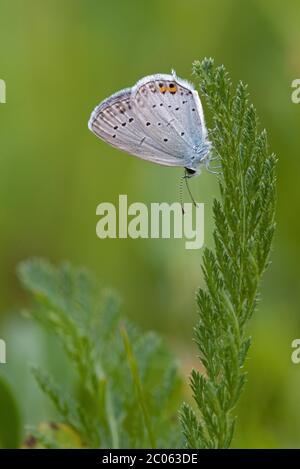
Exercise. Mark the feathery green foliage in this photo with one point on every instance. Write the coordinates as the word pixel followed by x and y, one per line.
pixel 110 356
pixel 244 227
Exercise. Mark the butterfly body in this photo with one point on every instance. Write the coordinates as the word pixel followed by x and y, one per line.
pixel 160 119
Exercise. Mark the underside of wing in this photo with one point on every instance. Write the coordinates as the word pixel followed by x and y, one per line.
pixel 116 122
pixel 173 107
pixel 160 119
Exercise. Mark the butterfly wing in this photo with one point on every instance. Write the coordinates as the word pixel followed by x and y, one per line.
pixel 160 119
pixel 173 112
pixel 115 121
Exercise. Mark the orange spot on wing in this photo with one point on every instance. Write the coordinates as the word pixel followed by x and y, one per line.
pixel 172 88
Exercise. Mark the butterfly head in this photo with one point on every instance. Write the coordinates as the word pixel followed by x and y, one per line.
pixel 191 172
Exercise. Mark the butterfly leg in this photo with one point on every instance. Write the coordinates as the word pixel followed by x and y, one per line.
pixel 209 170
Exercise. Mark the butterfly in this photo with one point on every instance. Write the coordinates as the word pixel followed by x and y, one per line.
pixel 160 119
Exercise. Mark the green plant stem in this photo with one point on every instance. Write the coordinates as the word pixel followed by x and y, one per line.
pixel 244 227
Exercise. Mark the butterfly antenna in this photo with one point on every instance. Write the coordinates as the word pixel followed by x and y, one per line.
pixel 181 193
pixel 188 188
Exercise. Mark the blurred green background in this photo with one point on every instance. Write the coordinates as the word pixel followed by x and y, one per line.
pixel 59 59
